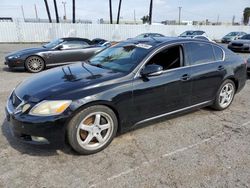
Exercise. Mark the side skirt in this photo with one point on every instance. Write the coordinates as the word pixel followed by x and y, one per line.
pixel 196 106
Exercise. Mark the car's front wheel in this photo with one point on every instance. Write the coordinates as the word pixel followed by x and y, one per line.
pixel 225 95
pixel 34 64
pixel 92 129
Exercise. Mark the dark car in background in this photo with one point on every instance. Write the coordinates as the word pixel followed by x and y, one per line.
pixel 240 45
pixel 145 35
pixel 56 52
pixel 248 66
pixel 192 34
pixel 232 36
pixel 121 88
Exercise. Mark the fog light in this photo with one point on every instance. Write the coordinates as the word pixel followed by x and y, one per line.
pixel 39 139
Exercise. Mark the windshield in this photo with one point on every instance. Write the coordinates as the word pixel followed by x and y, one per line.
pixel 246 37
pixel 53 43
pixel 121 58
pixel 232 34
pixel 187 33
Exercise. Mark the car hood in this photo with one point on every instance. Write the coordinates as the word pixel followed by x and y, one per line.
pixel 242 41
pixel 28 51
pixel 53 83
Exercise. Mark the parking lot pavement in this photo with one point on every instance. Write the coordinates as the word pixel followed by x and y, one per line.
pixel 204 148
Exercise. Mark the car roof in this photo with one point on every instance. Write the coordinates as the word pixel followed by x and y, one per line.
pixel 156 41
pixel 73 38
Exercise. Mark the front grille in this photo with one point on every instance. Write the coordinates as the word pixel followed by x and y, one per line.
pixel 15 100
pixel 237 44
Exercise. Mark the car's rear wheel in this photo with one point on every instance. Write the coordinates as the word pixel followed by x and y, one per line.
pixel 225 95
pixel 34 64
pixel 92 129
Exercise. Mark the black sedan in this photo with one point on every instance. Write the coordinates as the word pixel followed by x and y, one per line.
pixel 59 51
pixel 240 45
pixel 121 88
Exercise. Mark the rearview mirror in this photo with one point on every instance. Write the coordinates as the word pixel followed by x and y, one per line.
pixel 152 70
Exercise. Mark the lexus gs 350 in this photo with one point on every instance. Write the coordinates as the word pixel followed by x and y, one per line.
pixel 56 52
pixel 123 86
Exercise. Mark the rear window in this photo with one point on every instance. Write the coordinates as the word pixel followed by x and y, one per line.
pixel 218 53
pixel 199 53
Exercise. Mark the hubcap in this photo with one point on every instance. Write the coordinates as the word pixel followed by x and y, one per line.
pixel 35 64
pixel 95 130
pixel 226 95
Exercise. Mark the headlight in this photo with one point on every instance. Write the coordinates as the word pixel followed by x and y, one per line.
pixel 48 108
pixel 14 56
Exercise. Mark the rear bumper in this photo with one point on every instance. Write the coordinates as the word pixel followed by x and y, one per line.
pixel 239 49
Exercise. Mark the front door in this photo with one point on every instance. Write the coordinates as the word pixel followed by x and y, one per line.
pixel 165 93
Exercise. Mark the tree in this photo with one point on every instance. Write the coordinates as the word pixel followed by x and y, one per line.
pixel 246 15
pixel 145 19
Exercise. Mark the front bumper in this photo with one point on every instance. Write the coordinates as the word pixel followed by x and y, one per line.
pixel 34 129
pixel 14 62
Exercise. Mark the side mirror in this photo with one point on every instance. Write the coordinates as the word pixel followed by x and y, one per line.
pixel 152 70
pixel 62 47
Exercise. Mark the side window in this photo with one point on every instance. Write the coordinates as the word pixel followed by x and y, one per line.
pixel 218 53
pixel 169 58
pixel 75 44
pixel 199 53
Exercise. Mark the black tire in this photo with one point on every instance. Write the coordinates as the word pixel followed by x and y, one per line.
pixel 34 64
pixel 73 129
pixel 217 104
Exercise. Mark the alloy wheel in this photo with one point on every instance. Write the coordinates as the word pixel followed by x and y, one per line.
pixel 95 130
pixel 226 95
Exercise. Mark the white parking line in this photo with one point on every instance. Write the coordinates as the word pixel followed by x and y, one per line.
pixel 146 163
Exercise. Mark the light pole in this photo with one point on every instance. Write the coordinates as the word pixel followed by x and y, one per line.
pixel 47 9
pixel 150 11
pixel 64 6
pixel 179 15
pixel 73 11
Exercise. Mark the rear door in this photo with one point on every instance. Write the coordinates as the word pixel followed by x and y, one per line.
pixel 206 61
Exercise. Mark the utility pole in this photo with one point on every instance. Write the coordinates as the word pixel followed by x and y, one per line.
pixel 134 17
pixel 47 9
pixel 180 15
pixel 110 12
pixel 233 20
pixel 64 6
pixel 57 17
pixel 22 12
pixel 74 11
pixel 119 10
pixel 218 18
pixel 36 11
pixel 150 11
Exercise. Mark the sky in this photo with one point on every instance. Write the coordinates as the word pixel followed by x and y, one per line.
pixel 198 10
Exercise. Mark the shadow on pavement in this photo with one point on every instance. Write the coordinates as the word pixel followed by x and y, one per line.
pixel 34 150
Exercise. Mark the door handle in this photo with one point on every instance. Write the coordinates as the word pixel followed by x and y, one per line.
pixel 221 68
pixel 185 77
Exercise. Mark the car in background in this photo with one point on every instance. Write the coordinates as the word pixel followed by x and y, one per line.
pixel 56 52
pixel 248 66
pixel 192 34
pixel 121 88
pixel 201 37
pixel 232 36
pixel 240 45
pixel 145 35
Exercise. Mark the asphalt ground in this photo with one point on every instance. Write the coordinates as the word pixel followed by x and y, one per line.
pixel 205 148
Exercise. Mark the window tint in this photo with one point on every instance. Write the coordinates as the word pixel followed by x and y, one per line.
pixel 201 37
pixel 218 53
pixel 75 44
pixel 199 53
pixel 169 58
